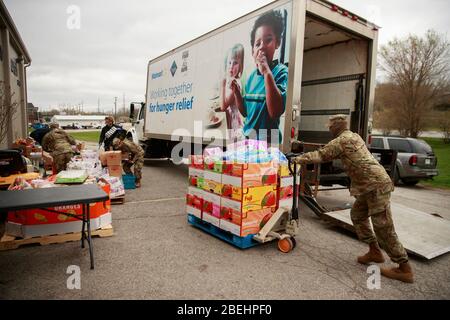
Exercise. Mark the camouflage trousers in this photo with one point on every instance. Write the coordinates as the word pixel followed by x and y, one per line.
pixel 377 206
pixel 60 161
pixel 138 165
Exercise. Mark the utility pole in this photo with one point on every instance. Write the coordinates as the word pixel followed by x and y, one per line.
pixel 115 108
pixel 98 106
pixel 124 103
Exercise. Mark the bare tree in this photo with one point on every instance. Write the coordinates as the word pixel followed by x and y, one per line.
pixel 420 68
pixel 384 116
pixel 444 125
pixel 7 111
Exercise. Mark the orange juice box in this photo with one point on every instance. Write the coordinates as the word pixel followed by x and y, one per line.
pixel 44 217
pixel 283 170
pixel 286 191
pixel 194 176
pixel 211 208
pixel 250 199
pixel 254 221
pixel 196 161
pixel 213 165
pixel 245 224
pixel 212 182
pixel 251 174
pixel 113 158
pixel 194 202
pixel 230 210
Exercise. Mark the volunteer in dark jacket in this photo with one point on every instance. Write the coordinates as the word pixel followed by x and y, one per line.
pixel 109 132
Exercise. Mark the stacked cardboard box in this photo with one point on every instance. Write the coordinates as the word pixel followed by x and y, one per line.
pixel 36 222
pixel 114 163
pixel 286 186
pixel 237 196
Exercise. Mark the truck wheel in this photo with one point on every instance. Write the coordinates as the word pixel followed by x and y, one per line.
pixel 396 176
pixel 410 182
pixel 285 245
pixel 294 242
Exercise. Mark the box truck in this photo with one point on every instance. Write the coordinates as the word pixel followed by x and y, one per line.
pixel 328 57
pixel 322 63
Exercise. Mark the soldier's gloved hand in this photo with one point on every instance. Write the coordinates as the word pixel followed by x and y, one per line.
pixel 300 160
pixel 297 146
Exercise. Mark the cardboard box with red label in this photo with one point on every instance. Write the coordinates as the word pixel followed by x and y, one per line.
pixel 196 161
pixel 113 158
pixel 286 191
pixel 38 222
pixel 194 202
pixel 251 198
pixel 251 174
pixel 212 182
pixel 115 171
pixel 244 224
pixel 196 176
pixel 211 208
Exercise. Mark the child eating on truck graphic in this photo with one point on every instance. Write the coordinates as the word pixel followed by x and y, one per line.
pixel 234 66
pixel 264 101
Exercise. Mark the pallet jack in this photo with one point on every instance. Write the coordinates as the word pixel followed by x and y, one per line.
pixel 284 224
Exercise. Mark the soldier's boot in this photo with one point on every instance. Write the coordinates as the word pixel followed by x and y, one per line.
pixel 403 273
pixel 138 183
pixel 374 255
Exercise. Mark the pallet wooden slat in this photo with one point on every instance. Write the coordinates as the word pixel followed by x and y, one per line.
pixel 11 243
pixel 118 201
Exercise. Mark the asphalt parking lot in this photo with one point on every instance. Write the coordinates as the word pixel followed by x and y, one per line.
pixel 155 254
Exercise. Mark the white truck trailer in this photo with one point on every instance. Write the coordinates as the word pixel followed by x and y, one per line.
pixel 330 55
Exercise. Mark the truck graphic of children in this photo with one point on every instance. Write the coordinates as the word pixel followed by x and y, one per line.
pixel 234 67
pixel 264 101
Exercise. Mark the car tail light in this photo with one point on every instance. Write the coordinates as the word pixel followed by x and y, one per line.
pixel 293 133
pixel 370 140
pixel 413 161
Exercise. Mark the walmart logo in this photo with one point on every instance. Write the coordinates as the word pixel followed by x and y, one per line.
pixel 173 68
pixel 157 75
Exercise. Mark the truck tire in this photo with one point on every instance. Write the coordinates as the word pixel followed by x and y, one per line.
pixel 396 179
pixel 410 182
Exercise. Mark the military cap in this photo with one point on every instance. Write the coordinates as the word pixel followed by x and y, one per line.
pixel 116 142
pixel 339 117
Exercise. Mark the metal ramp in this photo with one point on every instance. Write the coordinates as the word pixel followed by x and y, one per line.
pixel 421 234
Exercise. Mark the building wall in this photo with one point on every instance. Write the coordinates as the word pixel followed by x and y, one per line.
pixel 12 76
pixel 17 96
pixel 2 76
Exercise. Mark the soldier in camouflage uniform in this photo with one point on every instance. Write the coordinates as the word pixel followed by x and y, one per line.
pixel 372 187
pixel 60 146
pixel 136 157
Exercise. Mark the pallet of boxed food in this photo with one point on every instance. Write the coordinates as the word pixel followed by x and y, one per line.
pixel 237 191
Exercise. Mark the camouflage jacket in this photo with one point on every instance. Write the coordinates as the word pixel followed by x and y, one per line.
pixel 135 151
pixel 364 171
pixel 57 142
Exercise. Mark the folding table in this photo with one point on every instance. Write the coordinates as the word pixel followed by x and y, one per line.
pixel 47 198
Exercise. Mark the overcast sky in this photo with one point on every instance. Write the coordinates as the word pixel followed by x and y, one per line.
pixel 108 55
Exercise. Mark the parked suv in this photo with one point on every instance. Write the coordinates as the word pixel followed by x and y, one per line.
pixel 415 161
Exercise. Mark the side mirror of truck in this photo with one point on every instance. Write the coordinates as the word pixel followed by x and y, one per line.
pixel 132 111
